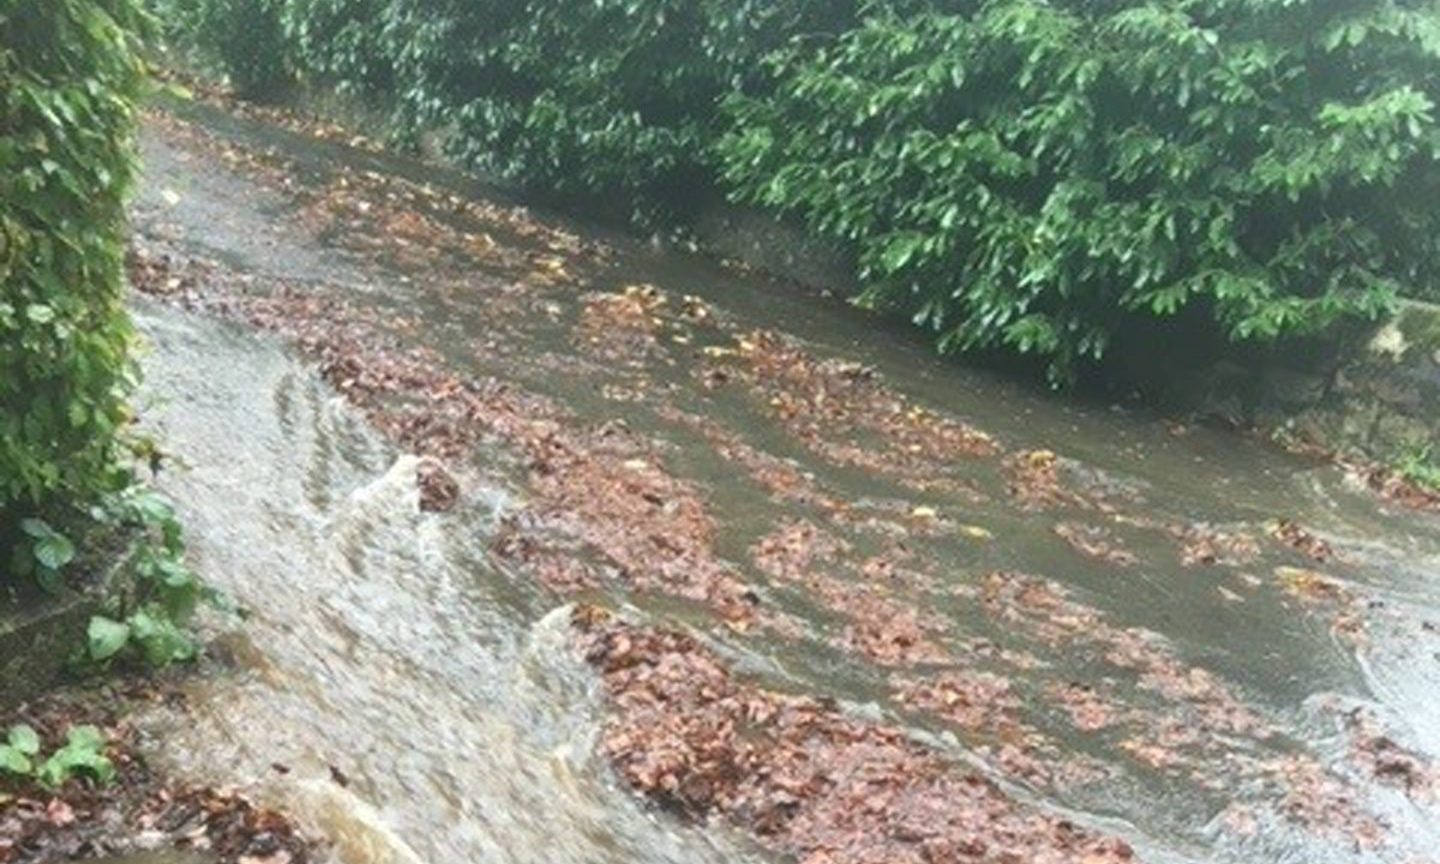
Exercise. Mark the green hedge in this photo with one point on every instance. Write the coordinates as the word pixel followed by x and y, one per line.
pixel 1012 173
pixel 69 78
pixel 1026 174
pixel 601 100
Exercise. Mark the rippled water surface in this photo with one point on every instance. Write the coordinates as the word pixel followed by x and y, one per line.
pixel 1208 647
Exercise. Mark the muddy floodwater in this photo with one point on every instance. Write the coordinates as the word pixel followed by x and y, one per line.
pixel 559 548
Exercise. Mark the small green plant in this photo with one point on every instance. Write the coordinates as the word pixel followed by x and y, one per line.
pixel 150 616
pixel 83 755
pixel 44 553
pixel 18 752
pixel 149 607
pixel 1417 464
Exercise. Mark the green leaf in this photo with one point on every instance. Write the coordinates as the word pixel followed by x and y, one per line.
pixel 107 638
pixel 49 580
pixel 82 755
pixel 15 762
pixel 899 251
pixel 55 551
pixel 162 641
pixel 37 529
pixel 85 738
pixel 25 740
pixel 12 761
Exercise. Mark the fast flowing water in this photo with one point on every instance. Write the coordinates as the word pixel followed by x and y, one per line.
pixel 415 698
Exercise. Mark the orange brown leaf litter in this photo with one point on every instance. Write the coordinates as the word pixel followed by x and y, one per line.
pixel 1391 485
pixel 604 508
pixel 845 413
pixel 1386 759
pixel 624 327
pixel 142 808
pixel 1089 710
pixel 1297 537
pixel 880 627
pixel 801 777
pixel 1034 480
pixel 933 679
pixel 1200 544
pixel 1045 612
pixel 1094 541
pixel 1321 592
pixel 781 479
pixel 388 219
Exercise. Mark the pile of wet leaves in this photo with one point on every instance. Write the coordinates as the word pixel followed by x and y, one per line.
pixel 140 810
pixel 844 412
pixel 880 626
pixel 806 779
pixel 1383 481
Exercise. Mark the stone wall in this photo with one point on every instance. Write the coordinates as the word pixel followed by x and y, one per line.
pixel 1374 391
pixel 37 638
pixel 1382 394
pixel 40 633
pixel 760 240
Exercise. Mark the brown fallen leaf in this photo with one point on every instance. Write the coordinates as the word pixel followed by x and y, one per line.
pixel 59 813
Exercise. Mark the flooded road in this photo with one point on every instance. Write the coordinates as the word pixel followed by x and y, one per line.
pixel 417 427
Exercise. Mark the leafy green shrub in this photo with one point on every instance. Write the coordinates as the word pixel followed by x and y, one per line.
pixel 342 41
pixel 44 554
pixel 1417 463
pixel 69 78
pixel 615 97
pixel 243 38
pixel 155 593
pixel 249 41
pixel 1027 174
pixel 601 100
